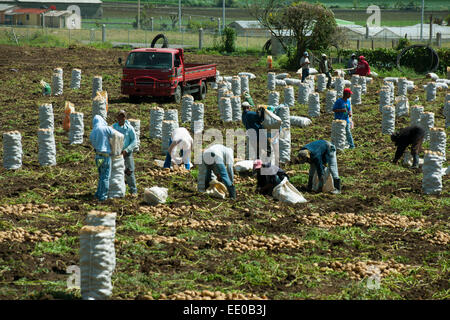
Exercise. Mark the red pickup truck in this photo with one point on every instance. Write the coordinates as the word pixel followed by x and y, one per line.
pixel 162 72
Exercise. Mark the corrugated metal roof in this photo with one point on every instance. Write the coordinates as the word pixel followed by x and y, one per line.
pixel 30 10
pixel 249 24
pixel 4 6
pixel 57 13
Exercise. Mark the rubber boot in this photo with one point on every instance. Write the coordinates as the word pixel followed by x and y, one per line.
pixel 415 161
pixel 232 192
pixel 337 186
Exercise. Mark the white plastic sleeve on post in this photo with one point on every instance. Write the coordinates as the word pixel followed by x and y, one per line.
pixel 388 120
pixel 12 150
pixel 314 105
pixel 75 81
pixel 136 124
pixel 167 127
pixel 274 98
pixel 156 119
pixel 271 81
pixel 432 172
pixel 95 262
pixel 171 115
pixel 416 115
pixel 338 136
pixel 117 179
pixel 99 107
pixel 186 108
pixel 385 97
pixel 330 100
pixel 244 83
pixel 227 111
pixel 197 123
pixel 76 130
pixel 401 107
pixel 236 86
pixel 46 117
pixel 427 122
pixel 47 147
pixel 321 82
pixel 236 107
pixel 57 84
pixel 96 85
pixel 303 93
pixel 300 122
pixel 289 96
pixel 431 91
pixel 357 93
pixel 438 140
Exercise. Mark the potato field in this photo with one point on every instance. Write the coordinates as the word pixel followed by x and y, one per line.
pixel 198 247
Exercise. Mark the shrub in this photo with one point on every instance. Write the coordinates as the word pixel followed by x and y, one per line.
pixel 229 39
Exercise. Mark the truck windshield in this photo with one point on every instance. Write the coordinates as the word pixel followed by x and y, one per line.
pixel 149 60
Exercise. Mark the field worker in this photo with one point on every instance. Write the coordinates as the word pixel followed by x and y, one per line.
pixel 100 135
pixel 362 68
pixel 253 120
pixel 325 67
pixel 129 143
pixel 269 178
pixel 410 136
pixel 248 98
pixel 352 64
pixel 342 109
pixel 180 139
pixel 218 159
pixel 304 64
pixel 318 154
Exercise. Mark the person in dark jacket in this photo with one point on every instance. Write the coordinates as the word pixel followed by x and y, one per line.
pixel 318 154
pixel 410 136
pixel 253 121
pixel 269 178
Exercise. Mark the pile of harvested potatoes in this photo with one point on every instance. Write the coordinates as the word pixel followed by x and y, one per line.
pixel 330 220
pixel 440 237
pixel 165 172
pixel 159 239
pixel 362 269
pixel 22 235
pixel 255 242
pixel 206 295
pixel 20 210
pixel 199 224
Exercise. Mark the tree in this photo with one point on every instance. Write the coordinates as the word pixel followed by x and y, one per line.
pixel 312 26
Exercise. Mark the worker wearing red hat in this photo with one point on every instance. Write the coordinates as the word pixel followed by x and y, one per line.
pixel 342 109
pixel 362 68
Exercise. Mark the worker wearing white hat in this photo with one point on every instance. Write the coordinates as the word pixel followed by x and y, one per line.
pixel 304 64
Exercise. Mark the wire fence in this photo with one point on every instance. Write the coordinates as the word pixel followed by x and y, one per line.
pixel 185 38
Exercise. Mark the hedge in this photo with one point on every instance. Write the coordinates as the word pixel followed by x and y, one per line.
pixel 387 58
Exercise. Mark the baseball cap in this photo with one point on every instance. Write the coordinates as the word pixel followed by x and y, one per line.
pixel 122 112
pixel 245 104
pixel 324 55
pixel 305 53
pixel 257 164
pixel 347 90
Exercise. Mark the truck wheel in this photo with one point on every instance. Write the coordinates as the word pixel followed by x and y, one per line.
pixel 177 95
pixel 202 93
pixel 160 36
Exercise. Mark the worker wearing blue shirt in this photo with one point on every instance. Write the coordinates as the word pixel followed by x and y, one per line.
pixel 129 144
pixel 100 135
pixel 253 121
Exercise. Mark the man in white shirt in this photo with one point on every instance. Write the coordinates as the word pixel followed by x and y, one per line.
pixel 180 141
pixel 304 64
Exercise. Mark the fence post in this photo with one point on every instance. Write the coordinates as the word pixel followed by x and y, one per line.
pixel 438 39
pixel 69 36
pixel 372 44
pixel 151 23
pixel 200 38
pixel 103 33
pixel 357 44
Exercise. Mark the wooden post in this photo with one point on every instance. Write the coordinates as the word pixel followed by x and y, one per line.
pixel 372 44
pixel 200 38
pixel 357 44
pixel 431 29
pixel 438 39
